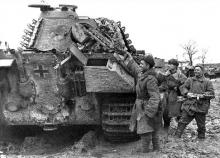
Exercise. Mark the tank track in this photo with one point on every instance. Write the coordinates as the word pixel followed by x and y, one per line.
pixel 116 113
pixel 109 36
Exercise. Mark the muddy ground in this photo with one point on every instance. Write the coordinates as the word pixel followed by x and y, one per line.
pixel 73 142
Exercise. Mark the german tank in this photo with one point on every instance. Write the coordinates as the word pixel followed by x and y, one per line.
pixel 66 74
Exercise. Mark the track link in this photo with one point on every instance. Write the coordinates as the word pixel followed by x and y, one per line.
pixel 116 113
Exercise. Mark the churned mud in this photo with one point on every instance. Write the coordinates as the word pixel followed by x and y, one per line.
pixel 88 141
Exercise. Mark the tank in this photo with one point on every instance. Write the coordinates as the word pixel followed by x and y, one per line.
pixel 66 74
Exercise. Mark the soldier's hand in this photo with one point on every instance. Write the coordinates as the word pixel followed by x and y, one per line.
pixel 118 57
pixel 167 73
pixel 140 115
pixel 175 88
pixel 201 96
pixel 127 54
pixel 121 52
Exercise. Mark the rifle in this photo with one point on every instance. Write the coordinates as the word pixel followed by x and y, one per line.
pixel 200 96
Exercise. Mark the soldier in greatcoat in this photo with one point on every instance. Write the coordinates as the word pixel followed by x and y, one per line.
pixel 146 116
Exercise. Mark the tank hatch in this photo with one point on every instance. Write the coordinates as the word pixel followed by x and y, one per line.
pixel 55 25
pixel 66 7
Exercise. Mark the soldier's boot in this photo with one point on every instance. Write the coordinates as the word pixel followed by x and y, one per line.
pixel 155 141
pixel 166 120
pixel 173 126
pixel 180 129
pixel 201 133
pixel 146 140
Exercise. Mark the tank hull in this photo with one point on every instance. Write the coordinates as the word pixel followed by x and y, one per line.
pixel 67 74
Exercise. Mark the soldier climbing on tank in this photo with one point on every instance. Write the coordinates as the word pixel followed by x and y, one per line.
pixel 146 117
pixel 170 83
pixel 198 91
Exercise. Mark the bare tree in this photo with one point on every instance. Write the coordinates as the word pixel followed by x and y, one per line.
pixel 203 56
pixel 190 49
pixel 177 57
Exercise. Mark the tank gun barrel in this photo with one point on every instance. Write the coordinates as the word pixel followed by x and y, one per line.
pixel 43 7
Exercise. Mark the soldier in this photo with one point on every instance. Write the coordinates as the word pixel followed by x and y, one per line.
pixel 145 113
pixel 199 91
pixel 170 83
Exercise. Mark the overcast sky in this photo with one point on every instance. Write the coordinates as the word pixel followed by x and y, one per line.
pixel 159 27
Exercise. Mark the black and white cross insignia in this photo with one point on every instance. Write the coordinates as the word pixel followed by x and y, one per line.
pixel 40 71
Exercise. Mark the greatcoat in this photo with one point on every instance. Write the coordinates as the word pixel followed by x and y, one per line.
pixel 146 116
